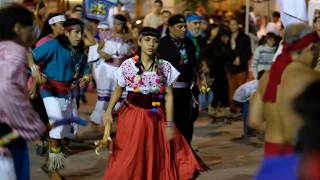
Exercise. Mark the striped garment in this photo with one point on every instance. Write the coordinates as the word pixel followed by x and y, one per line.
pixel 15 108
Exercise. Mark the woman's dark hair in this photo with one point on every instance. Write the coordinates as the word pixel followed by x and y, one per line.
pixel 124 20
pixel 10 16
pixel 46 30
pixel 307 105
pixel 223 31
pixel 64 41
pixel 149 31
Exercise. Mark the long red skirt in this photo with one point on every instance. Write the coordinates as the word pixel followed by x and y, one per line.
pixel 142 152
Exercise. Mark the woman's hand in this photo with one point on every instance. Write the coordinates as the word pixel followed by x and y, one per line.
pixel 169 133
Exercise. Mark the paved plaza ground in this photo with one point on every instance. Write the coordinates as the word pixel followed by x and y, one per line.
pixel 228 160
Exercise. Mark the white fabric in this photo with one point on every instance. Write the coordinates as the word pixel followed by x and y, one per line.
pixel 278 52
pixel 7 170
pixel 57 109
pixel 99 110
pixel 243 93
pixel 293 11
pixel 97 114
pixel 103 26
pixel 314 5
pixel 103 72
pixel 55 19
pixel 126 76
pixel 274 27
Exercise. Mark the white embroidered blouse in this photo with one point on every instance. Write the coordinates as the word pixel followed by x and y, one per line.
pixel 148 82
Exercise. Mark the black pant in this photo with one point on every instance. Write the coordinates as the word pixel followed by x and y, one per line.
pixel 220 90
pixel 183 112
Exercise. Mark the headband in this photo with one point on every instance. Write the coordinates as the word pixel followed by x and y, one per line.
pixel 193 18
pixel 55 19
pixel 103 26
pixel 73 27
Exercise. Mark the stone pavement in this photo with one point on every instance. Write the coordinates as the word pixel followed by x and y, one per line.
pixel 227 159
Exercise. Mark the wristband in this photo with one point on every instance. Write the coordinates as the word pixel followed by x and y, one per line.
pixel 170 124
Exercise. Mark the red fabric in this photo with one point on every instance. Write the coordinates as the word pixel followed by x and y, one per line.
pixel 281 63
pixel 310 166
pixel 56 87
pixel 273 149
pixel 141 150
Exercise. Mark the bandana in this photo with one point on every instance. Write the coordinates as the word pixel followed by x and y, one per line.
pixel 55 19
pixel 73 27
pixel 103 26
pixel 193 18
pixel 281 63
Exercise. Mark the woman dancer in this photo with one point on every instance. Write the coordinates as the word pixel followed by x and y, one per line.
pixel 106 59
pixel 147 144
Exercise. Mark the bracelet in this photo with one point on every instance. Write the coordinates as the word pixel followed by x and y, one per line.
pixel 34 67
pixel 170 124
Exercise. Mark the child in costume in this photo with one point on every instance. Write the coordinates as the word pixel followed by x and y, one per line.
pixel 148 145
pixel 64 65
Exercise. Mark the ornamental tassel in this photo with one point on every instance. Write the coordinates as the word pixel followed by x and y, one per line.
pixel 55 161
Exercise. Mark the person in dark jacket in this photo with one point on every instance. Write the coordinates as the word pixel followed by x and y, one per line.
pixel 217 54
pixel 237 67
pixel 180 52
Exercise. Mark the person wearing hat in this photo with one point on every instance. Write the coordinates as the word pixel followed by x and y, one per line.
pixel 181 53
pixel 113 48
pixel 64 65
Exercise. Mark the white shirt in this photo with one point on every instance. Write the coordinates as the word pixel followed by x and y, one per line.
pixel 244 92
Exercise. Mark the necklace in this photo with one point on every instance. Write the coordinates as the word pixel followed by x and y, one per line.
pixel 150 67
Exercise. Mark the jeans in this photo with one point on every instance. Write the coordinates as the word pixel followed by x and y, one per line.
pixel 205 100
pixel 245 112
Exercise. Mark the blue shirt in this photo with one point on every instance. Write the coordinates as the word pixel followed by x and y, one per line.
pixel 59 63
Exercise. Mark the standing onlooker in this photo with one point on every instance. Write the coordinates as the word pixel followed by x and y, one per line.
pixel 40 17
pixel 180 52
pixel 114 11
pixel 263 55
pixel 275 26
pixel 194 34
pixel 217 54
pixel 237 67
pixel 153 19
pixel 15 109
pixel 164 28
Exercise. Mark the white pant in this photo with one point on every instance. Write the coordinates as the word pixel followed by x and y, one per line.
pixel 99 110
pixel 57 109
pixel 7 171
